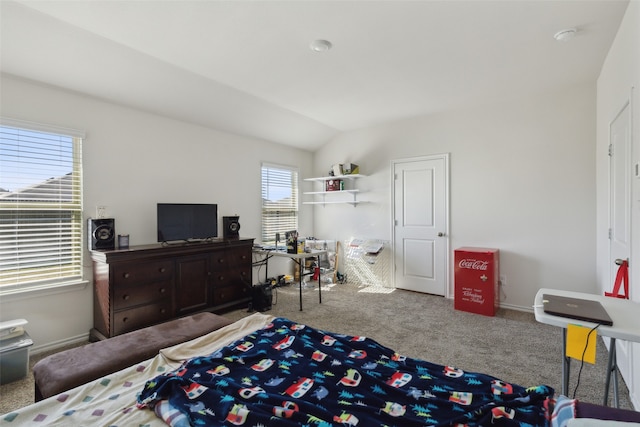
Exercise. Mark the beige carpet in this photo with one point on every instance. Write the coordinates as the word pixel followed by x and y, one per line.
pixel 511 346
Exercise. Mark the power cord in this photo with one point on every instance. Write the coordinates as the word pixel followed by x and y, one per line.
pixel 586 345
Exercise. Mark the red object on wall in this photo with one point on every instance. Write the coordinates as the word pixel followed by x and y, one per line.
pixel 476 274
pixel 333 185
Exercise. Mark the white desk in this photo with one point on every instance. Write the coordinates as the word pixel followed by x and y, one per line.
pixel 298 259
pixel 626 326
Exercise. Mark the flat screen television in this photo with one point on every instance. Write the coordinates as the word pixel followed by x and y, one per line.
pixel 187 221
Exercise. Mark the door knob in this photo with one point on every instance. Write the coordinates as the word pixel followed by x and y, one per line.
pixel 620 261
pixel 440 234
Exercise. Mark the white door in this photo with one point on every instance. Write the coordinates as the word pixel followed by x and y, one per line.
pixel 420 223
pixel 620 214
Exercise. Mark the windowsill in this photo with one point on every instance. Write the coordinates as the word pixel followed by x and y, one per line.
pixel 41 290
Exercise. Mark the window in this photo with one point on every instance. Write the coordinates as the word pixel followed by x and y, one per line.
pixel 40 207
pixel 279 201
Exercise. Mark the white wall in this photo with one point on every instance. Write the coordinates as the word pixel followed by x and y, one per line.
pixel 620 73
pixel 522 180
pixel 131 161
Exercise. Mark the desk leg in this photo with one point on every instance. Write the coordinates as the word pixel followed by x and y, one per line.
pixel 300 263
pixel 319 282
pixel 612 370
pixel 566 364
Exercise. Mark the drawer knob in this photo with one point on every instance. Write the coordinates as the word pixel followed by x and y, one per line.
pixel 125 275
pixel 162 270
pixel 163 310
pixel 220 278
pixel 125 297
pixel 124 319
pixel 163 290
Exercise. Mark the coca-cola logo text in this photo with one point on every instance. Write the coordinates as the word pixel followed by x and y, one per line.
pixel 473 264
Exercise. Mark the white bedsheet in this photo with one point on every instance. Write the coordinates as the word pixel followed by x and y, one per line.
pixel 111 400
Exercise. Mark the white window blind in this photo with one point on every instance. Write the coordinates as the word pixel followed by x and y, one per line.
pixel 279 201
pixel 40 208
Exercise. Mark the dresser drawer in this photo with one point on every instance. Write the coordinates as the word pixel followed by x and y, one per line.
pixel 230 277
pixel 129 296
pixel 230 258
pixel 230 293
pixel 156 271
pixel 139 317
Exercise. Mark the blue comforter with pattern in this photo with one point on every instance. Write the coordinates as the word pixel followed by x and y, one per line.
pixel 289 374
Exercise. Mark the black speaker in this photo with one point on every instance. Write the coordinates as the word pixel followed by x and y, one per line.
pixel 102 233
pixel 230 226
pixel 262 297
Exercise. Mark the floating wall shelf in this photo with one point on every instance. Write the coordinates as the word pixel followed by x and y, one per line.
pixel 353 192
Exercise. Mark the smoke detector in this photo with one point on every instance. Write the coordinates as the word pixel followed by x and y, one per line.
pixel 565 35
pixel 320 45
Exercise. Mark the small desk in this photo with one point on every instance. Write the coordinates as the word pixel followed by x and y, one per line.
pixel 298 259
pixel 626 326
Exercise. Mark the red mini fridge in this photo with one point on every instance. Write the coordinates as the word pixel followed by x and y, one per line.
pixel 476 275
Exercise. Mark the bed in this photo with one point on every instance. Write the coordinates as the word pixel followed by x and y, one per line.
pixel 262 371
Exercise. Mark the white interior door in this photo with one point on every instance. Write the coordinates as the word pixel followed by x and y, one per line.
pixel 420 224
pixel 620 216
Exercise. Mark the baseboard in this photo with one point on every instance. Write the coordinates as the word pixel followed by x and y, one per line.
pixel 516 307
pixel 59 344
pixel 526 309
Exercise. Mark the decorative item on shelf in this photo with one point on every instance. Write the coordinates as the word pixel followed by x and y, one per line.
pixel 337 169
pixel 123 241
pixel 292 241
pixel 351 169
pixel 334 185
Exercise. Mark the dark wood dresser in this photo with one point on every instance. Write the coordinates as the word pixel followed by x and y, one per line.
pixel 145 285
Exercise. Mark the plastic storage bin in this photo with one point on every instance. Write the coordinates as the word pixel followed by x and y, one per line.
pixel 14 351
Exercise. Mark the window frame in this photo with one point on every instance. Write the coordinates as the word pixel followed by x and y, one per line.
pixel 267 229
pixel 73 232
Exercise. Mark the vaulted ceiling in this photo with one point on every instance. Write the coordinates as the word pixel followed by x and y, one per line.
pixel 246 66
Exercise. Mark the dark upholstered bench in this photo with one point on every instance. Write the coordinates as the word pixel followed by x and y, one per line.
pixel 68 369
